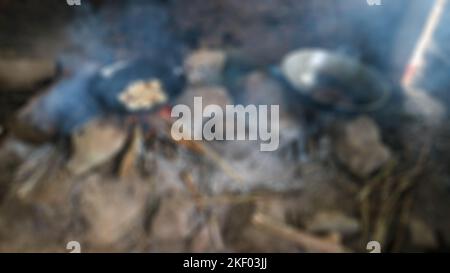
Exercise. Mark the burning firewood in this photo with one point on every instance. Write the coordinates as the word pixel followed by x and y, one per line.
pixel 418 61
pixel 420 103
pixel 203 149
pixel 129 160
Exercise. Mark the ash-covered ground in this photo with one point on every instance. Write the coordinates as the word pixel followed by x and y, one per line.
pixel 75 165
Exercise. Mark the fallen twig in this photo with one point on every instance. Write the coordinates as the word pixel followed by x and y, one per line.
pixel 307 241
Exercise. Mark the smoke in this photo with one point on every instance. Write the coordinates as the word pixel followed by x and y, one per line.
pixel 370 32
pixel 264 30
pixel 261 30
pixel 121 30
pixel 434 78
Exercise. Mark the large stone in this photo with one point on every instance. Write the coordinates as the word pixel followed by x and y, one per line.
pixel 204 66
pixel 422 234
pixel 260 89
pixel 94 144
pixel 113 211
pixel 422 106
pixel 359 147
pixel 211 95
pixel 173 224
pixel 25 73
pixel 214 94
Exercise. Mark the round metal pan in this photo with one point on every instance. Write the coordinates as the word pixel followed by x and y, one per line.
pixel 335 81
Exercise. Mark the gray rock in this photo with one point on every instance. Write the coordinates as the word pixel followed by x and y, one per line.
pixel 204 66
pixel 358 146
pixel 210 94
pixel 113 211
pixel 422 234
pixel 94 144
pixel 260 89
pixel 173 224
pixel 422 106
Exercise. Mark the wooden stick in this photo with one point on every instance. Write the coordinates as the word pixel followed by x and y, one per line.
pixel 202 148
pixel 417 61
pixel 307 241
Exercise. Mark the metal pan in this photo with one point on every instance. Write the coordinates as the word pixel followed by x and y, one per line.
pixel 335 81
